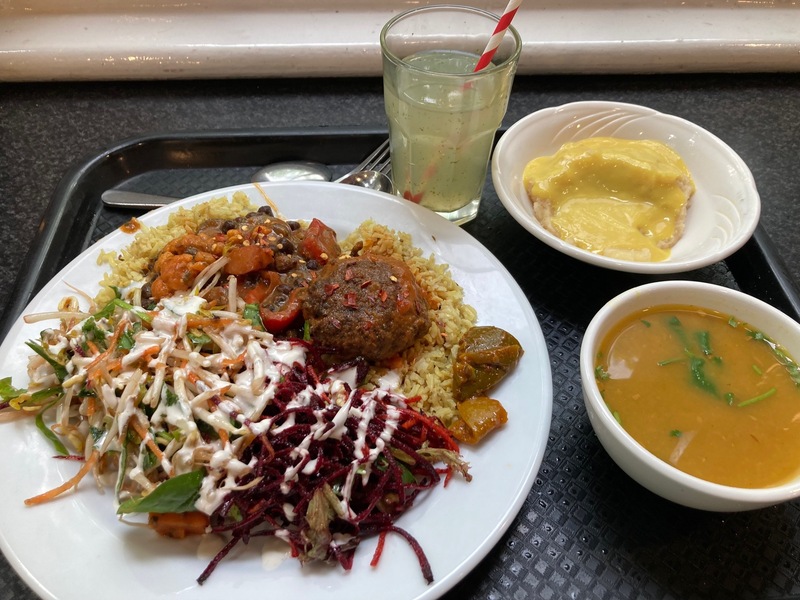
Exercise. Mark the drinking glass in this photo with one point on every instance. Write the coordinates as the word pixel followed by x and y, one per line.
pixel 442 114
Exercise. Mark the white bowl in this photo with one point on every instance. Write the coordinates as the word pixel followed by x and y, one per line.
pixel 721 218
pixel 656 475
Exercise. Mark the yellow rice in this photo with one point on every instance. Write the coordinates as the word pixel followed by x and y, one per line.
pixel 426 369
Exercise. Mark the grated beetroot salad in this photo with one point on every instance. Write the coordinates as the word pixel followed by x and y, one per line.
pixel 328 473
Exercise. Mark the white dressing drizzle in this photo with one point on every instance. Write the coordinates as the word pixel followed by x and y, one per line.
pixel 171 387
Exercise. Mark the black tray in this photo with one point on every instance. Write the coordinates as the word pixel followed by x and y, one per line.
pixel 586 530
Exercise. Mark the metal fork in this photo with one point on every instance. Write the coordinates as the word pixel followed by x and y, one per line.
pixel 379 161
pixel 373 173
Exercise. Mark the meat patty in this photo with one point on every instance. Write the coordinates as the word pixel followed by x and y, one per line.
pixel 366 305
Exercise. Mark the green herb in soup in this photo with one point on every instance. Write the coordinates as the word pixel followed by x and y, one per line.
pixel 705 392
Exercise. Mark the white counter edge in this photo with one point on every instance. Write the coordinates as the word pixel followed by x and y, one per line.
pixel 247 43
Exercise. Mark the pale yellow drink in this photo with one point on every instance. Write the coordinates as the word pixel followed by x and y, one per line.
pixel 442 114
pixel 442 129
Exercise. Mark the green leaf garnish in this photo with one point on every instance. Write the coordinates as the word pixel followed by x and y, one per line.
pixel 669 361
pixel 780 355
pixel 178 495
pixel 699 378
pixel 704 341
pixel 94 333
pixel 252 314
pixel 109 309
pixel 126 341
pixel 48 433
pixel 758 398
pixel 8 391
pixel 170 396
pixel 59 369
pixel 198 338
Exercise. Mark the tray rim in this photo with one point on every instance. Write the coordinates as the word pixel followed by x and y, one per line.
pixel 78 191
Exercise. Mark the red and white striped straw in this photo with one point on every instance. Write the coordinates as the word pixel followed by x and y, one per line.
pixel 497 36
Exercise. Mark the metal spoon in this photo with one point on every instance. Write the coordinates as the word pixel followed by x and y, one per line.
pixel 293 171
pixel 375 180
pixel 283 171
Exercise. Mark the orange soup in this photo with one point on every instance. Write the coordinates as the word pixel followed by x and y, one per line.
pixel 706 393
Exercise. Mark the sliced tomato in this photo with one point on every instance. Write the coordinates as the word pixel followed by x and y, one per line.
pixel 319 242
pixel 258 290
pixel 276 321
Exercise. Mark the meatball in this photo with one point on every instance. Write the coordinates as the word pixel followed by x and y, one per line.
pixel 369 306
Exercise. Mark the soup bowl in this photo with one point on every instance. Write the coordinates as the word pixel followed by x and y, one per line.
pixel 655 474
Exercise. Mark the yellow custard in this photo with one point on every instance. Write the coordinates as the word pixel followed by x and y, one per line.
pixel 621 198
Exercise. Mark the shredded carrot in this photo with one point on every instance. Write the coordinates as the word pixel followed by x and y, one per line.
pixel 434 425
pixel 143 433
pixel 114 365
pixel 211 322
pixel 73 482
pixel 229 362
pixel 378 549
pixel 112 344
pixel 93 347
pixel 222 433
pixel 102 371
pixel 448 474
pixel 150 351
pixel 91 407
pixel 223 436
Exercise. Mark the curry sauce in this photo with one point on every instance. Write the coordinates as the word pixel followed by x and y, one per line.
pixel 706 393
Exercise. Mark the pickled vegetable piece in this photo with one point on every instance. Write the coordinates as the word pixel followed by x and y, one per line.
pixel 485 356
pixel 476 418
pixel 178 525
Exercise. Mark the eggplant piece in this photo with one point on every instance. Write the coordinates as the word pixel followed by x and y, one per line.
pixel 486 354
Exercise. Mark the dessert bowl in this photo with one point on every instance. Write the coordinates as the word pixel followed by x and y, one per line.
pixel 722 214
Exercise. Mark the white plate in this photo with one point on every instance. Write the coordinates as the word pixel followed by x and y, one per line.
pixel 74 546
pixel 721 218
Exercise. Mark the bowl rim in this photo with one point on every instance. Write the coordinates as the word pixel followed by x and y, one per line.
pixel 510 200
pixel 602 322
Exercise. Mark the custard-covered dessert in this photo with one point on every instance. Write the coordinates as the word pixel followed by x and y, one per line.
pixel 625 199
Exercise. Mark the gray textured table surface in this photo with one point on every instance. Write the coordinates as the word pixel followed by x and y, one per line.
pixel 48 127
